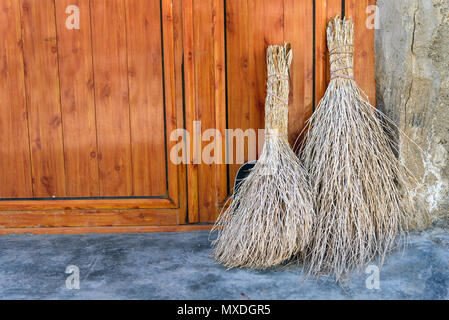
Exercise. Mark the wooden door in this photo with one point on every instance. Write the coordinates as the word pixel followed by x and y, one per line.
pixel 87 110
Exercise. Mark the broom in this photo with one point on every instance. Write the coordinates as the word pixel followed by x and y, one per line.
pixel 270 216
pixel 353 170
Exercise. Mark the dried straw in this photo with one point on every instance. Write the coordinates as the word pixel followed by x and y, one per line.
pixel 270 216
pixel 353 170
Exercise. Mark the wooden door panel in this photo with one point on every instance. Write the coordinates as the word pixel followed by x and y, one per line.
pixel 112 100
pixel 15 177
pixel 237 49
pixel 205 100
pixel 101 99
pixel 188 65
pixel 174 113
pixel 87 218
pixel 299 13
pixel 146 91
pixel 40 52
pixel 77 102
pixel 265 27
pixel 221 172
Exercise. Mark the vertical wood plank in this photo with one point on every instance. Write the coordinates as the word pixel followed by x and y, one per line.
pixel 364 64
pixel 324 10
pixel 298 32
pixel 43 97
pixel 77 101
pixel 146 97
pixel 190 106
pixel 220 96
pixel 111 94
pixel 175 172
pixel 205 102
pixel 266 27
pixel 15 166
pixel 178 104
pixel 238 73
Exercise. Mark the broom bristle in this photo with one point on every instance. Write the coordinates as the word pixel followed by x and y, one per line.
pixel 270 216
pixel 353 171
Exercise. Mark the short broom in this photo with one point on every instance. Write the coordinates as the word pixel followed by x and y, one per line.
pixel 353 170
pixel 270 216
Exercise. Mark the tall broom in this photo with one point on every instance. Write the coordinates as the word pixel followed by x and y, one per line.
pixel 270 216
pixel 353 170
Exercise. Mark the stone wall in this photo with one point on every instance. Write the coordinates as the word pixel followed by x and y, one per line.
pixel 412 79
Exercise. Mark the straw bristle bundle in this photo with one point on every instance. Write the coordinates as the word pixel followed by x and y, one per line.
pixel 270 216
pixel 353 171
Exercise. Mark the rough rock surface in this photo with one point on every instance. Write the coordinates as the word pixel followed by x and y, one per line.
pixel 412 78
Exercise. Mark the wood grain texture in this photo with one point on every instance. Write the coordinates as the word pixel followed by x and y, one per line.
pixel 324 10
pixel 298 31
pixel 203 45
pixel 190 108
pixel 364 64
pixel 111 95
pixel 238 76
pixel 218 14
pixel 177 104
pixel 265 27
pixel 15 163
pixel 87 218
pixel 176 187
pixel 79 204
pixel 77 101
pixel 146 94
pixel 43 99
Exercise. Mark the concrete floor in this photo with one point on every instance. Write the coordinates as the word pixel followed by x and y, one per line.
pixel 179 266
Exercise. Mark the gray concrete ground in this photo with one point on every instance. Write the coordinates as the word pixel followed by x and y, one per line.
pixel 179 266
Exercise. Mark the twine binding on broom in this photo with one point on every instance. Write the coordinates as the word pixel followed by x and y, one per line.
pixel 269 218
